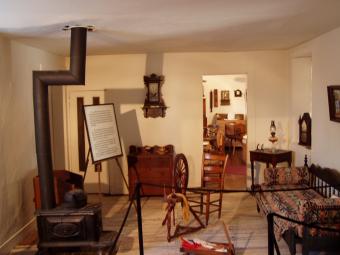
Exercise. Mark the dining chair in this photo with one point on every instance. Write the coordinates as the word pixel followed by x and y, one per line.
pixel 220 136
pixel 210 196
pixel 234 133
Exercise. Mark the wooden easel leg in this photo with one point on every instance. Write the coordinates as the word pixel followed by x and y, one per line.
pixel 86 165
pixel 98 169
pixel 121 171
pixel 99 185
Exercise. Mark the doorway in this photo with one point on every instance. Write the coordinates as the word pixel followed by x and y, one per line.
pixel 225 123
pixel 78 146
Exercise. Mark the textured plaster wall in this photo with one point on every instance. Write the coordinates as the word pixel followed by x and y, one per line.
pixel 325 53
pixel 17 143
pixel 122 78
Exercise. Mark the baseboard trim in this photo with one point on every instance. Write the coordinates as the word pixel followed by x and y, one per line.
pixel 10 243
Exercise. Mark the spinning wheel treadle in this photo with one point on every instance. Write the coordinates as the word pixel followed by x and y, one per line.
pixel 181 173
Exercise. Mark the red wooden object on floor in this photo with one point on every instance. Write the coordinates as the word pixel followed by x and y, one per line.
pixel 200 247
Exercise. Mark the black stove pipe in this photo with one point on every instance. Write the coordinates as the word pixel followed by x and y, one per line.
pixel 41 81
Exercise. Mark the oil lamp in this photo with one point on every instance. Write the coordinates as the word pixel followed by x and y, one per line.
pixel 272 137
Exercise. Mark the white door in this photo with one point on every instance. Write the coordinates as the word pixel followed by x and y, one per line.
pixel 92 178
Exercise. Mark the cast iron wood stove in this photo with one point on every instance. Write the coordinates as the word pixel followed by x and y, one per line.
pixel 75 223
pixel 62 227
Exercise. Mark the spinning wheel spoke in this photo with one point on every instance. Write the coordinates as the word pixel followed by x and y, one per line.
pixel 181 173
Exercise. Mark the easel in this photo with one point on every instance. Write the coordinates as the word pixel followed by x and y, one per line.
pixel 98 169
pixel 103 137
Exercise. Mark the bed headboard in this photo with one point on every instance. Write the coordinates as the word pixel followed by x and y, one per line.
pixel 326 181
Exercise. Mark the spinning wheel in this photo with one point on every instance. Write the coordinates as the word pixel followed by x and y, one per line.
pixel 180 177
pixel 181 173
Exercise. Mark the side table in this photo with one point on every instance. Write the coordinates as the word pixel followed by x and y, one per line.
pixel 269 157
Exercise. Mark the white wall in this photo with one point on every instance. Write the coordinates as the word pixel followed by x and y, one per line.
pixel 301 102
pixel 122 76
pixel 17 145
pixel 325 52
pixel 226 82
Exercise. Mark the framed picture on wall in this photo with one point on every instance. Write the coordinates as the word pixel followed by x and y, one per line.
pixel 215 98
pixel 334 102
pixel 225 99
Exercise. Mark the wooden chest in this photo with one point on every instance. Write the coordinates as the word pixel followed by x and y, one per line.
pixel 151 165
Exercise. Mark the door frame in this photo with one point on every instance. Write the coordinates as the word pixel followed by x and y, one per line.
pixel 68 91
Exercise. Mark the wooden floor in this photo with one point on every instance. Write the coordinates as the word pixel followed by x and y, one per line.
pixel 235 158
pixel 248 229
pixel 233 181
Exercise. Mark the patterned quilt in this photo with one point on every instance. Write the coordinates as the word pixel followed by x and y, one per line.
pixel 301 205
pixel 324 211
pixel 285 203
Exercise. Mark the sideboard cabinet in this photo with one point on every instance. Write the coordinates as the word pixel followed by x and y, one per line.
pixel 151 165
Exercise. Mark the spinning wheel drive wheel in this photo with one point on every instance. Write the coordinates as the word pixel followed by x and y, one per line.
pixel 181 173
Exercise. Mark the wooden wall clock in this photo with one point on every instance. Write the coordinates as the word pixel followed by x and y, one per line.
pixel 154 105
pixel 237 93
pixel 305 130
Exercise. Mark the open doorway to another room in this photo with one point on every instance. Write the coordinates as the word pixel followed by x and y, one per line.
pixel 225 123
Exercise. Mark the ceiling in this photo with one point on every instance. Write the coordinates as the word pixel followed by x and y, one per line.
pixel 156 26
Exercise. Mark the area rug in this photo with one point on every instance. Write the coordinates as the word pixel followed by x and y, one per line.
pixel 238 170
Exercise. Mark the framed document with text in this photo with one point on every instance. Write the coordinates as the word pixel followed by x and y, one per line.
pixel 102 131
